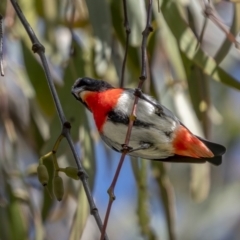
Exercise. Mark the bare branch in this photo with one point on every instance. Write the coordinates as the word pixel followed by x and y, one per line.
pixel 145 34
pixel 210 14
pixel 128 31
pixel 132 117
pixel 38 48
pixel 1 46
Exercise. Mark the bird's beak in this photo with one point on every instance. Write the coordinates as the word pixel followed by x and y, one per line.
pixel 77 90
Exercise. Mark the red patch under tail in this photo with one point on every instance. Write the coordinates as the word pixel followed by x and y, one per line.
pixel 186 144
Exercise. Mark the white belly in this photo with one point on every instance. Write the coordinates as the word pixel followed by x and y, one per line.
pixel 114 134
pixel 161 146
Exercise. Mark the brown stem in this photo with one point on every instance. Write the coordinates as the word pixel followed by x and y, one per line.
pixel 1 46
pixel 145 34
pixel 128 31
pixel 132 118
pixel 209 13
pixel 38 48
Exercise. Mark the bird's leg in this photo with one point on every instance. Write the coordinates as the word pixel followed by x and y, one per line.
pixel 158 108
pixel 126 148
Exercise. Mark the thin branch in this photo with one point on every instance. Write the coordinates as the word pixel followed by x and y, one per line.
pixel 1 46
pixel 38 48
pixel 132 117
pixel 70 21
pixel 210 14
pixel 199 43
pixel 145 34
pixel 128 31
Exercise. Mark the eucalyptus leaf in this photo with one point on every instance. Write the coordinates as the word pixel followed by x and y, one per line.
pixel 17 221
pixel 187 43
pixel 37 77
pixel 226 45
pixel 142 201
pixel 80 217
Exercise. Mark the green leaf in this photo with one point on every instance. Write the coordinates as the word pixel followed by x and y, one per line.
pixel 226 45
pixel 200 181
pixel 87 151
pixel 237 17
pixel 187 43
pixel 133 59
pixel 137 20
pixel 198 87
pixel 79 66
pixel 75 68
pixel 74 111
pixel 16 218
pixel 142 200
pixel 80 217
pixel 100 18
pixel 37 77
pixel 167 195
pixel 48 200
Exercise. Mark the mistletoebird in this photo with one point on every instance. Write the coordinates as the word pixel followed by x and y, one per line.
pixel 157 134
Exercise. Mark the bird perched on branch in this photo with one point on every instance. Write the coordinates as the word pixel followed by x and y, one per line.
pixel 157 134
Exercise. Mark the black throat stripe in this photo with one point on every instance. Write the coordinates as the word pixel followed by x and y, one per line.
pixel 119 117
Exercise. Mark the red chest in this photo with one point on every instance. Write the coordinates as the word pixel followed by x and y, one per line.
pixel 101 103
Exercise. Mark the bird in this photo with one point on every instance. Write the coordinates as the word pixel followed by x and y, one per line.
pixel 157 134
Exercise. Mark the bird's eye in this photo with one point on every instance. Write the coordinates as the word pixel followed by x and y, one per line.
pixel 83 82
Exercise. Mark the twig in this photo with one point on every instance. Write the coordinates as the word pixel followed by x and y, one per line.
pixel 128 31
pixel 70 21
pixel 209 13
pixel 145 34
pixel 38 48
pixel 1 46
pixel 132 117
pixel 199 43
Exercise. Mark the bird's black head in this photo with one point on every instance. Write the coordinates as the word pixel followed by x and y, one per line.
pixel 88 84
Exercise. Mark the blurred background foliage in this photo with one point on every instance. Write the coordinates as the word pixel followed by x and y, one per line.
pixel 87 38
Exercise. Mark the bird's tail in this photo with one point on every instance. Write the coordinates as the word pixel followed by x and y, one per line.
pixel 193 148
pixel 217 150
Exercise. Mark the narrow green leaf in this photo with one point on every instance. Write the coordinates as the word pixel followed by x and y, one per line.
pixel 37 77
pixel 237 17
pixel 198 85
pixel 88 150
pixel 200 181
pixel 100 18
pixel 187 43
pixel 199 92
pixel 137 20
pixel 133 60
pixel 17 221
pixel 72 108
pixel 47 200
pixel 80 218
pixel 226 45
pixel 167 195
pixel 142 205
pixel 5 232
